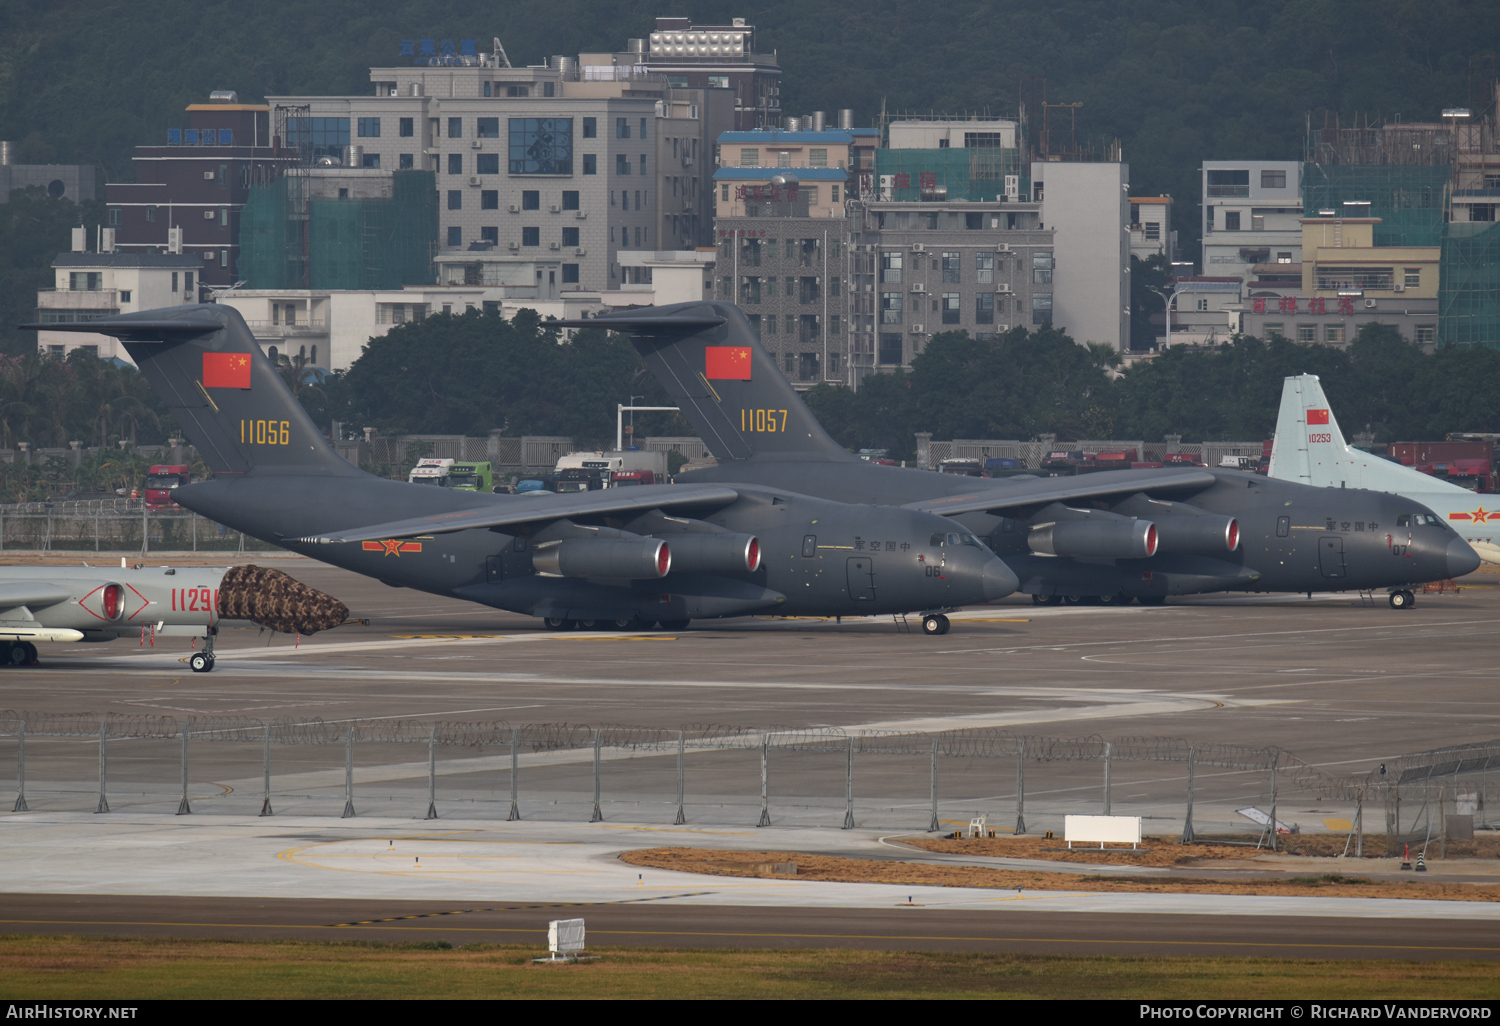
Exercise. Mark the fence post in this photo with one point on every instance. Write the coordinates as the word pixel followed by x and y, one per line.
pixel 2 533
pixel 1021 788
pixel 681 777
pixel 932 828
pixel 849 788
pixel 96 530
pixel 265 804
pixel 765 781
pixel 1109 750
pixel 348 772
pixel 103 764
pixel 21 770
pixel 1275 758
pixel 195 530
pixel 597 816
pixel 145 528
pixel 1359 824
pixel 432 773
pixel 1188 836
pixel 183 808
pixel 515 741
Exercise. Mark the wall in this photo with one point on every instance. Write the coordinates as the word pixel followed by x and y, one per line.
pixel 1087 206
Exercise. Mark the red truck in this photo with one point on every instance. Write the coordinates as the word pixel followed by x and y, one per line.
pixel 161 479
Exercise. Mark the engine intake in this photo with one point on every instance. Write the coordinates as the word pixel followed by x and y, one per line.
pixel 1110 539
pixel 1206 535
pixel 716 553
pixel 633 558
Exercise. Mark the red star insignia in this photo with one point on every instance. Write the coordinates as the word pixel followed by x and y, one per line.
pixel 392 547
pixel 1480 515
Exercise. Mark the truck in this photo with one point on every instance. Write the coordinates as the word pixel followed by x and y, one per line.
pixel 632 466
pixel 161 479
pixel 464 475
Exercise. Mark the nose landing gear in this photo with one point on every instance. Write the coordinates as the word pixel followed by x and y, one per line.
pixel 203 662
pixel 934 624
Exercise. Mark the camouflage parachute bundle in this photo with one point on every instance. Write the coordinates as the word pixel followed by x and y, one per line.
pixel 273 599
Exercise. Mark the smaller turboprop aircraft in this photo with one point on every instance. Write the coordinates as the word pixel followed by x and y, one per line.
pixel 1310 448
pixel 102 603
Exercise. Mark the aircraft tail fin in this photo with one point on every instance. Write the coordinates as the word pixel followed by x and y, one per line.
pixel 707 357
pixel 229 400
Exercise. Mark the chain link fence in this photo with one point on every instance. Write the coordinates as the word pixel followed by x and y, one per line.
pixel 807 774
pixel 116 525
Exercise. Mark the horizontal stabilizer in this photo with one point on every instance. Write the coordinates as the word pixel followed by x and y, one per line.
pixel 652 325
pixel 1045 490
pixel 134 328
pixel 31 593
pixel 532 509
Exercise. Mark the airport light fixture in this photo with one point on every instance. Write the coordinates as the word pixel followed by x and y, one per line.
pixel 620 409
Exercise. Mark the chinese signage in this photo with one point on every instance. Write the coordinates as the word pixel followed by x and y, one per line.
pixel 925 180
pixel 1316 305
pixel 773 193
pixel 435 51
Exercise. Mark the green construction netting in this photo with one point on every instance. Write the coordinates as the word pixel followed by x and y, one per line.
pixel 263 239
pixel 968 174
pixel 1469 293
pixel 1409 199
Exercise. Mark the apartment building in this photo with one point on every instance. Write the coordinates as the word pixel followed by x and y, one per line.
pixel 1252 212
pixel 1087 207
pixel 88 285
pixel 717 57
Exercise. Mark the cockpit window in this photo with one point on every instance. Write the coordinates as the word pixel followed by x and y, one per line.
pixel 1403 520
pixel 1426 520
pixel 954 539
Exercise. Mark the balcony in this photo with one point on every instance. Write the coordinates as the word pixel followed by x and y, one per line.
pixel 266 329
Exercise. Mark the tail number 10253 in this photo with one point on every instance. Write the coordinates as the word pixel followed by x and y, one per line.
pixel 266 432
pixel 763 420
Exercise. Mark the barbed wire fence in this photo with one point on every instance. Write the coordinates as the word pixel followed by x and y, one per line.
pixel 1415 791
pixel 124 525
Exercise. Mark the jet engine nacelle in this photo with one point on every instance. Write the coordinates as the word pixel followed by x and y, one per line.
pixel 632 558
pixel 1205 535
pixel 715 553
pixel 1111 539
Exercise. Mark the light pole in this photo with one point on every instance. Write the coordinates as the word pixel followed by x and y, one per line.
pixel 1166 298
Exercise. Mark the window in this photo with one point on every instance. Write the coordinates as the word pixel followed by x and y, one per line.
pixel 1153 231
pixel 369 128
pixel 116 216
pixel 973 222
pixel 1307 333
pixel 489 199
pixel 1257 222
pixel 531 236
pixel 174 286
pixel 643 163
pixel 750 158
pixel 622 164
pixel 455 128
pixel 406 128
pixel 404 162
pixel 151 213
pixel 835 325
pixel 984 270
pixel 487 163
pixel 369 160
pixel 770 320
pixel 455 199
pixel 318 137
pixel 622 128
pixel 749 291
pixel 952 268
pixel 517 90
pixel 570 199
pixel 1283 257
pixel 570 237
pixel 817 157
pixel 1228 183
pixel 1378 278
pixel 808 291
pixel 643 128
pixel 541 146
pixel 834 288
pixel 1231 220
pixel 1426 334
pixel 591 128
pixel 890 266
pixel 487 128
pixel 455 236
pixel 124 295
pixel 93 281
pixel 1041 308
pixel 187 283
pixel 718 81
pixel 1412 277
pixel 590 164
pixel 950 308
pixel 890 348
pixel 223 176
pixel 1041 269
pixel 490 235
pixel 1333 334
pixel 1273 329
pixel 834 198
pixel 455 163
pixel 891 307
pixel 984 308
pixel 1273 179
pixel 570 274
pixel 929 221
pixel 531 199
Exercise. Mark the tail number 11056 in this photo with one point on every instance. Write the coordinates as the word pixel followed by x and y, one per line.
pixel 266 432
pixel 763 420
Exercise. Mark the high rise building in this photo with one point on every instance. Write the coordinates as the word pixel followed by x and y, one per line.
pixel 717 57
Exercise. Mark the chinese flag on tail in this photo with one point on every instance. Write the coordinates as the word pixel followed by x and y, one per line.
pixel 726 363
pixel 226 370
pixel 1317 417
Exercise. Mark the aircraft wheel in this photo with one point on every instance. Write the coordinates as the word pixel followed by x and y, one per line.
pixel 1152 600
pixel 675 625
pixel 1118 599
pixel 932 624
pixel 1402 599
pixel 31 652
pixel 201 662
pixel 587 625
pixel 16 654
pixel 946 624
pixel 1411 600
pixel 1039 600
pixel 1073 600
pixel 557 623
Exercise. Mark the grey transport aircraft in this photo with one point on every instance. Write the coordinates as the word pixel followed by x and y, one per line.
pixel 622 558
pixel 1113 536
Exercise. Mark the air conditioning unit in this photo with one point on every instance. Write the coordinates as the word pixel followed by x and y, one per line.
pixel 919 288
pixel 1369 304
pixel 475 144
pixel 1400 287
pixel 919 329
pixel 208 176
pixel 208 215
pixel 581 215
pixel 917 247
pixel 580 252
pixel 555 245
pixel 514 209
pixel 1004 247
pixel 514 247
pixel 473 179
pixel 1003 290
pixel 555 209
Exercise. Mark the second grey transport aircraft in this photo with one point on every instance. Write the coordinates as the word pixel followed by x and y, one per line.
pixel 1114 536
pixel 631 557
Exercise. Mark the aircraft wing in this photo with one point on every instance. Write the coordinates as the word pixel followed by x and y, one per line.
pixel 1066 489
pixel 527 509
pixel 31 593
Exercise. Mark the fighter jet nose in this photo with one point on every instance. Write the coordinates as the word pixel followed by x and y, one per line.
pixel 1461 558
pixel 999 580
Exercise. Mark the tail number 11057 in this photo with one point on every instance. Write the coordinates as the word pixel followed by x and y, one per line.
pixel 763 420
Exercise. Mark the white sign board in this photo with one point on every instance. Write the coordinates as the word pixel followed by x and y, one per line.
pixel 1102 830
pixel 565 936
pixel 1255 815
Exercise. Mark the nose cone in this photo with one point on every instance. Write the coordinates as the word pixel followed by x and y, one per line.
pixel 999 580
pixel 1461 558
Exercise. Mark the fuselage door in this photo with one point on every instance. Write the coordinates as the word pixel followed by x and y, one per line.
pixel 1331 555
pixel 862 578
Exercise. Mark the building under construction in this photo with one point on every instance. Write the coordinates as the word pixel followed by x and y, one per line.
pixel 1431 184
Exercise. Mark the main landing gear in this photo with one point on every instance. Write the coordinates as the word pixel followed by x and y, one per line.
pixel 934 624
pixel 558 623
pixel 1402 599
pixel 203 662
pixel 19 653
